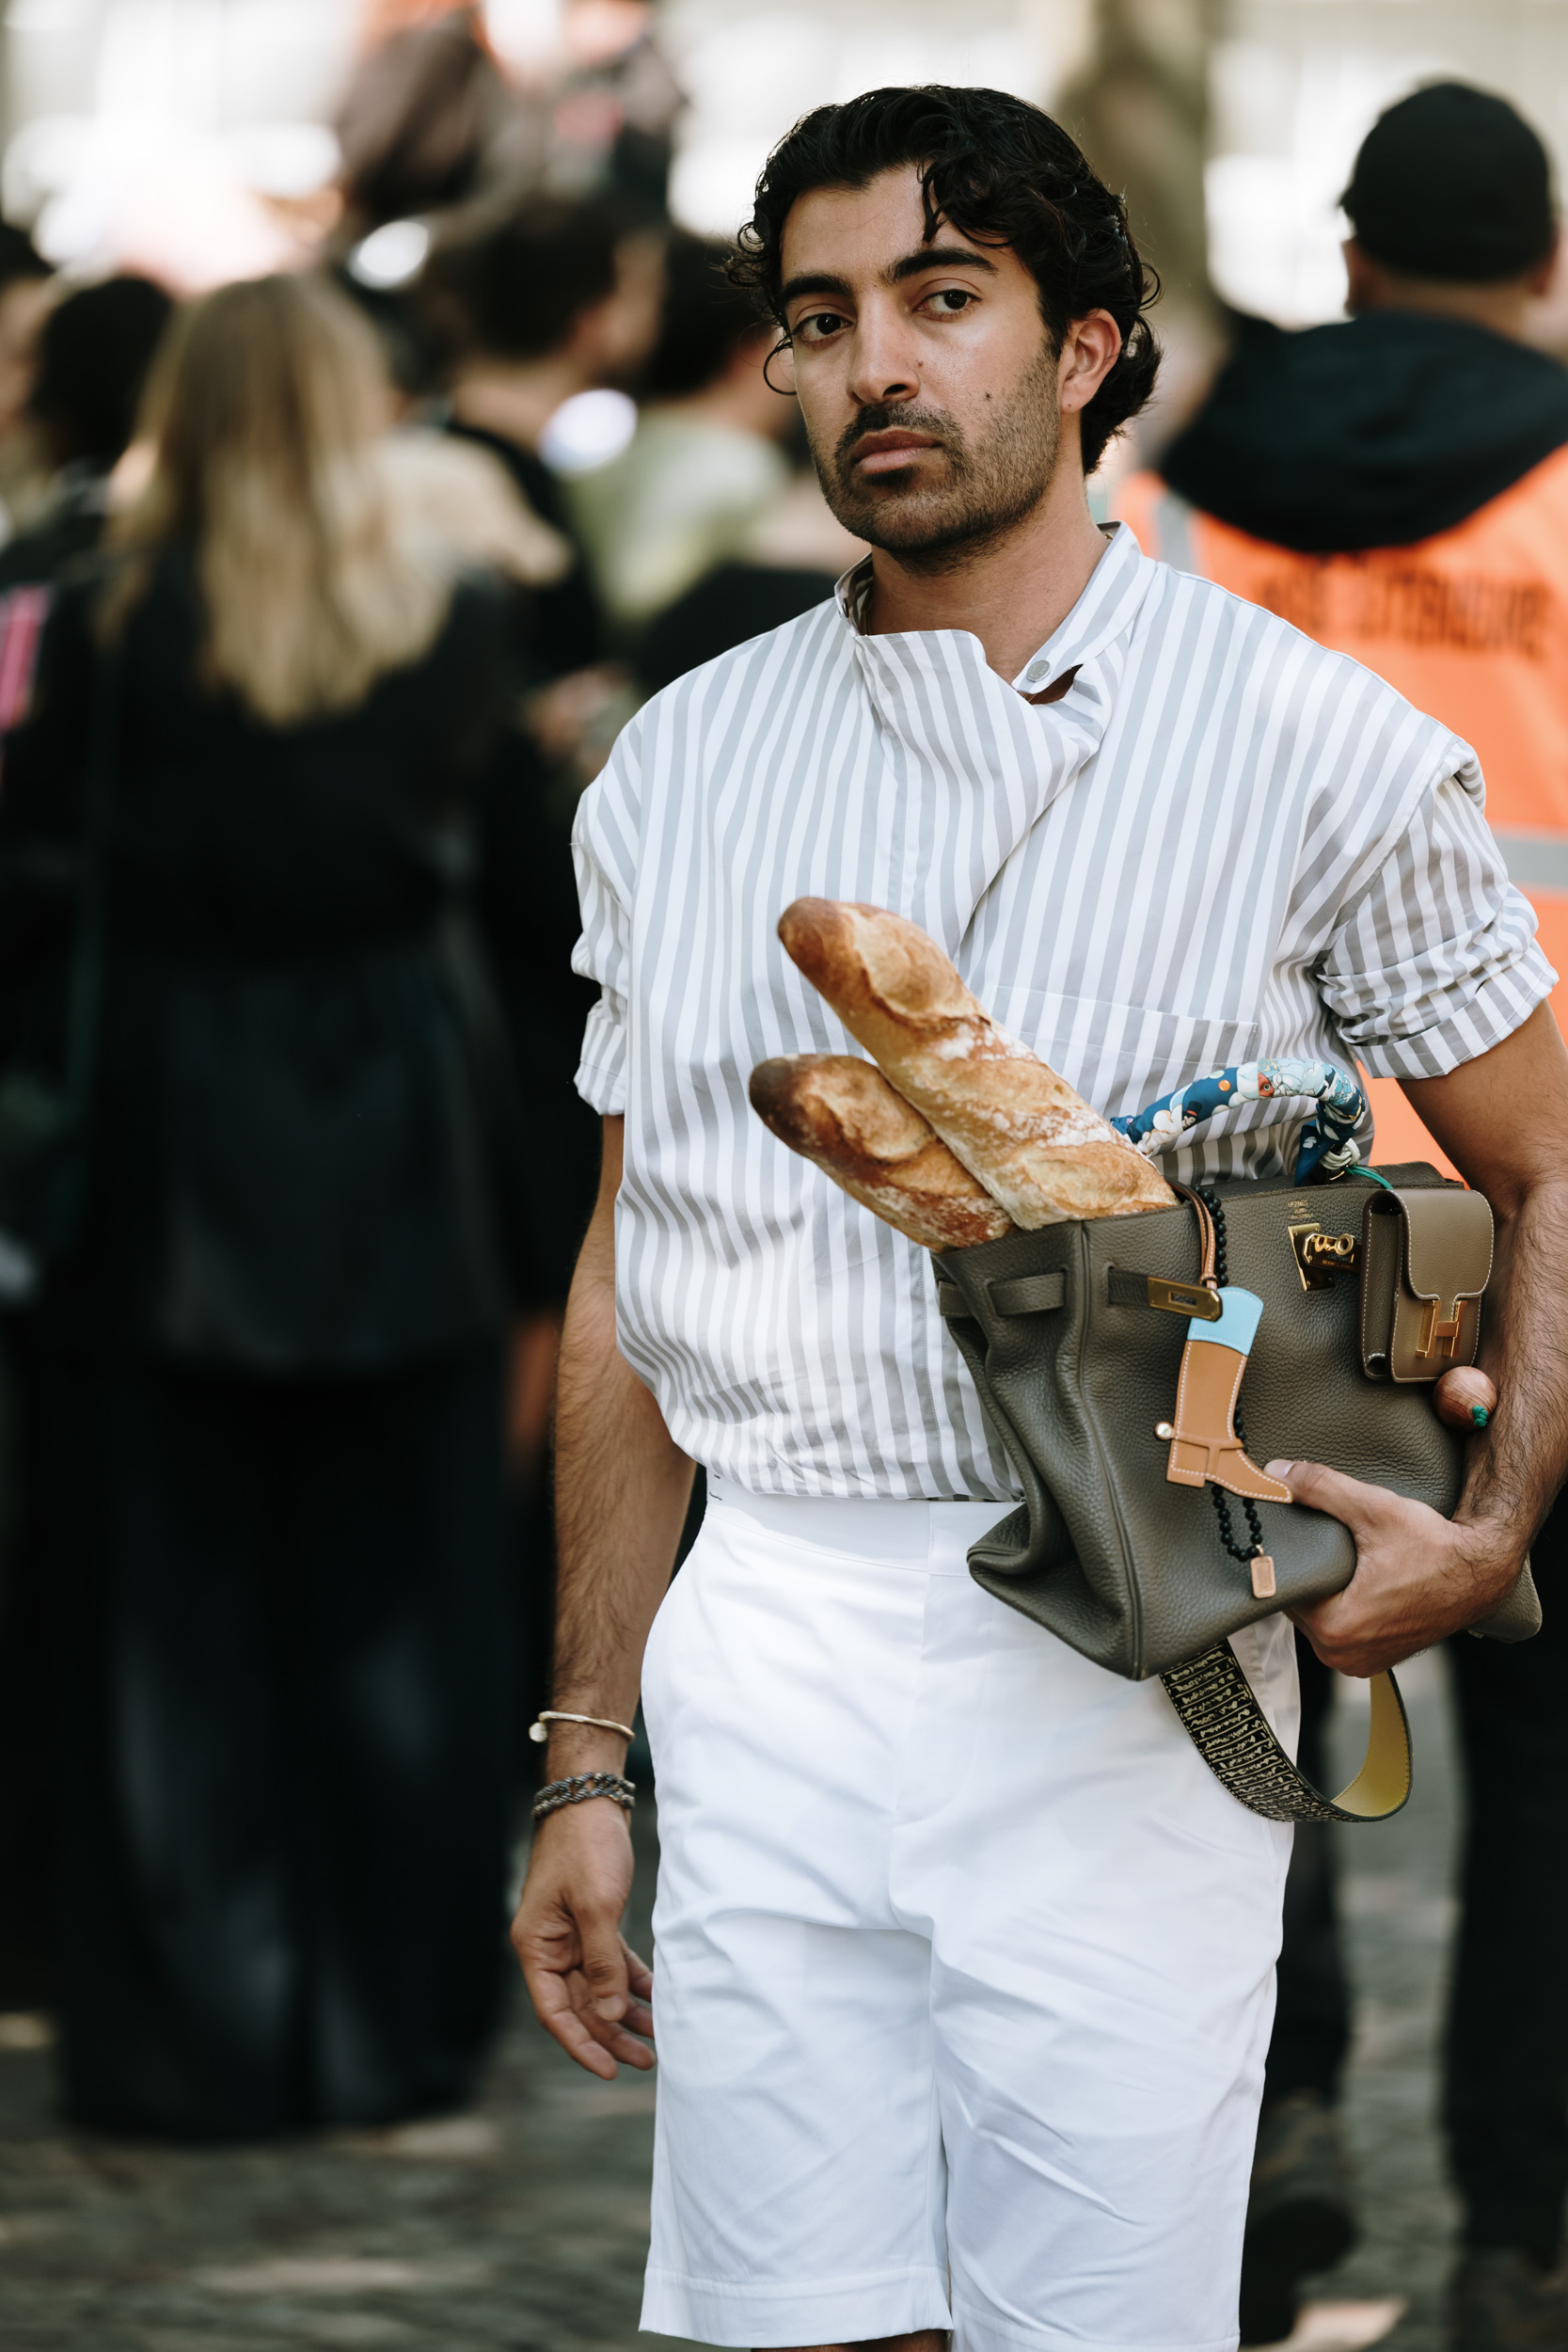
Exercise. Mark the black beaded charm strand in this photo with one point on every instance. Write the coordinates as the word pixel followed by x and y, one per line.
pixel 1245 1553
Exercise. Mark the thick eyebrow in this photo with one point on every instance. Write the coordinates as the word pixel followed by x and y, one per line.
pixel 936 256
pixel 925 257
pixel 818 282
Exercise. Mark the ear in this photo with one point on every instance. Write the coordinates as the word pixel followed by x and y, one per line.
pixel 1359 289
pixel 1539 279
pixel 1090 349
pixel 585 338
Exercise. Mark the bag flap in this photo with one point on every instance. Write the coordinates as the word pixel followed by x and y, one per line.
pixel 1447 1243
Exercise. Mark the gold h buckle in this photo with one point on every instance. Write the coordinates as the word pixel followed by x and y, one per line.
pixel 1440 1337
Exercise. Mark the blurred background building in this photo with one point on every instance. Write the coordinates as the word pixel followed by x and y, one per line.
pixel 200 137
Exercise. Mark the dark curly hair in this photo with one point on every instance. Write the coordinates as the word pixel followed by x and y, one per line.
pixel 1003 173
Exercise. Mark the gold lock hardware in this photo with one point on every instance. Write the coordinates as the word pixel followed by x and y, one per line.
pixel 1185 1298
pixel 1321 1256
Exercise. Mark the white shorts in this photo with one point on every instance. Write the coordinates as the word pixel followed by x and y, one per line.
pixel 965 1961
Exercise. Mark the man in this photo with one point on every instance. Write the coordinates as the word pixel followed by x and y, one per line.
pixel 705 464
pixel 965 1960
pixel 27 293
pixel 552 302
pixel 94 354
pixel 1398 487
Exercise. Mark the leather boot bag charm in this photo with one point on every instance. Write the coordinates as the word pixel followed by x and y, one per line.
pixel 1204 1445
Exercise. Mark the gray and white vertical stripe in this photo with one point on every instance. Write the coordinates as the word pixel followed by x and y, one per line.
pixel 1222 841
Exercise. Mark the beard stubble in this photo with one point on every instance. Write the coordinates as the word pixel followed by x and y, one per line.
pixel 987 487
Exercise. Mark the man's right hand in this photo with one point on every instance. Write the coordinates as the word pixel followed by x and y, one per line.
pixel 588 1986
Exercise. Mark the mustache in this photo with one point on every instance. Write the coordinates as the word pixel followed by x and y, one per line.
pixel 890 416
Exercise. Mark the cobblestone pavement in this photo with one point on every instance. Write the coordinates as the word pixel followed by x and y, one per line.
pixel 524 2224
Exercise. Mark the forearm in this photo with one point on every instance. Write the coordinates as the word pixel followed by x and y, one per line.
pixel 623 1487
pixel 1516 1466
pixel 1503 1122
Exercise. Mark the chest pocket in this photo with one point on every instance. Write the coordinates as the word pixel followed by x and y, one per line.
pixel 1120 1056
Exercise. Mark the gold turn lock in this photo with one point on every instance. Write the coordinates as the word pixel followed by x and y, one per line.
pixel 1321 1256
pixel 1185 1298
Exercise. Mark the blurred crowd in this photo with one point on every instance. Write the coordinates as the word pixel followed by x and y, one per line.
pixel 306 652
pixel 315 622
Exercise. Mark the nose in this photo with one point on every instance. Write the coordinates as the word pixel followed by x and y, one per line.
pixel 882 365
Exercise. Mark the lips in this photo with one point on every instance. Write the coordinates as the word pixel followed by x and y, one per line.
pixel 885 453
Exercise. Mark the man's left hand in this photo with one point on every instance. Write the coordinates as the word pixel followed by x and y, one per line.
pixel 1418 1577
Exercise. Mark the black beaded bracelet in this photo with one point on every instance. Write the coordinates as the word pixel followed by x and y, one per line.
pixel 580 1788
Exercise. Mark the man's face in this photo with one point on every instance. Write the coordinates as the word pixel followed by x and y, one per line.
pixel 927 377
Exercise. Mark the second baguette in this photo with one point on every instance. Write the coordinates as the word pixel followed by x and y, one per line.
pixel 1033 1142
pixel 842 1115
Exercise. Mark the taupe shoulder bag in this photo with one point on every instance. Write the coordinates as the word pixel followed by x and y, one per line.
pixel 1111 1356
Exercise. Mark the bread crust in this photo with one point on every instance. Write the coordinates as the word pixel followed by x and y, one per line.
pixel 1022 1132
pixel 842 1115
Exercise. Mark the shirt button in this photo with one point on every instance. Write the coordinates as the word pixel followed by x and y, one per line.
pixel 1036 670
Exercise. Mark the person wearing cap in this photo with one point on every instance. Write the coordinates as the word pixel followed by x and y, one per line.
pixel 1396 486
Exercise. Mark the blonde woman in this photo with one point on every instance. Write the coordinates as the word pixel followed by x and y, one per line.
pixel 273 1342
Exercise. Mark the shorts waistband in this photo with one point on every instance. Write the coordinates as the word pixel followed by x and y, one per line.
pixel 922 1534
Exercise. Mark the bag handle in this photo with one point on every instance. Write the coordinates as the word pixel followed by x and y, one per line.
pixel 1330 1140
pixel 1219 1712
pixel 1208 1241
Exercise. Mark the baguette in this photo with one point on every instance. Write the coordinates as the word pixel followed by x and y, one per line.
pixel 1022 1131
pixel 842 1115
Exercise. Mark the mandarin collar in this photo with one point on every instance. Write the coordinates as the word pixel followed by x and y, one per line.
pixel 1114 590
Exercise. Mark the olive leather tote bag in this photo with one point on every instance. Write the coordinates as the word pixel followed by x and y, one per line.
pixel 1139 1371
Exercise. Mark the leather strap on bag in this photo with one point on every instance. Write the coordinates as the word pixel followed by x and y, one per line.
pixel 1220 1713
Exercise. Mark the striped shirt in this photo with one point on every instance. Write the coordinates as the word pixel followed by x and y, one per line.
pixel 1222 841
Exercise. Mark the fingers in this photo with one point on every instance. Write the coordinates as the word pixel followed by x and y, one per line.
pixel 565 2004
pixel 638 1974
pixel 638 2018
pixel 1363 1508
pixel 617 2037
pixel 604 1961
pixel 554 2008
pixel 1337 1647
pixel 567 1937
pixel 1418 1578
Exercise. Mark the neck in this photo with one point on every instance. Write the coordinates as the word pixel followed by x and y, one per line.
pixel 739 401
pixel 733 407
pixel 514 398
pixel 1012 592
pixel 1499 308
pixel 1503 306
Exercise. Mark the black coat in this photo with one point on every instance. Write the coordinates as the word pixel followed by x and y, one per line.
pixel 559 629
pixel 302 1143
pixel 1374 432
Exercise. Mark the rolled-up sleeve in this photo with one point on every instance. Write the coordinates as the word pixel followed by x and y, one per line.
pixel 1436 960
pixel 604 849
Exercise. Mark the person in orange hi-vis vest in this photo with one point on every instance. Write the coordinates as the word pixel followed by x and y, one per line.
pixel 1396 486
